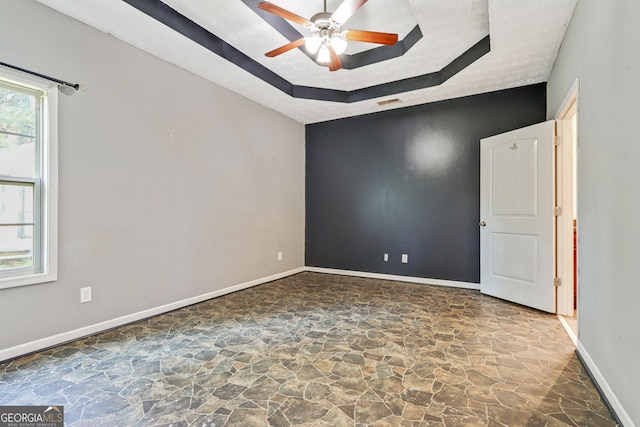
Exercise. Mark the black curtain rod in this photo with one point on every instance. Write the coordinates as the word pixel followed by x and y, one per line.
pixel 76 86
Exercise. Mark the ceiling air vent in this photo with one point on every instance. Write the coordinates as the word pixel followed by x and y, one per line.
pixel 388 101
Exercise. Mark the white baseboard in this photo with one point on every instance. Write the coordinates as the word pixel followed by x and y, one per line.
pixel 624 417
pixel 409 279
pixel 37 345
pixel 568 329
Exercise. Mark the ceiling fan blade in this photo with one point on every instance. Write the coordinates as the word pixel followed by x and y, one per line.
pixel 287 47
pixel 372 37
pixel 283 13
pixel 346 10
pixel 334 64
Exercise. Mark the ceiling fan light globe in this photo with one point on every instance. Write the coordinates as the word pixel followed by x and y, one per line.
pixel 339 44
pixel 323 54
pixel 312 44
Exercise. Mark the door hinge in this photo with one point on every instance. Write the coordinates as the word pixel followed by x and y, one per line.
pixel 557 211
pixel 556 141
pixel 557 282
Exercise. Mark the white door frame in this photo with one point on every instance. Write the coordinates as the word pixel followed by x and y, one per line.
pixel 565 198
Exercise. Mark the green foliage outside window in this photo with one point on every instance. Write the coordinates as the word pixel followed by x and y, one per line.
pixel 17 118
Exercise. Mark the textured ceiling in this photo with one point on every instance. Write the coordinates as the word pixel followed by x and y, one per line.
pixel 525 36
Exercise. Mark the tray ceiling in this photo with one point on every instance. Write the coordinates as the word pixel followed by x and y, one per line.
pixel 463 47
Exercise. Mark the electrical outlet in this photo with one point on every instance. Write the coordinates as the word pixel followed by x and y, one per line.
pixel 279 256
pixel 85 294
pixel 405 258
pixel 386 257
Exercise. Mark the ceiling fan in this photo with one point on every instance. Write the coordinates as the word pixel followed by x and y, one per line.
pixel 327 38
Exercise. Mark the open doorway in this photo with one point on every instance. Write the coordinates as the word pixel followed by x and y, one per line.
pixel 567 224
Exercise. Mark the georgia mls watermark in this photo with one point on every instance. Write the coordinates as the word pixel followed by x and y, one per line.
pixel 31 416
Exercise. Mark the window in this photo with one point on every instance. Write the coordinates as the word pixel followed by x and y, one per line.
pixel 28 124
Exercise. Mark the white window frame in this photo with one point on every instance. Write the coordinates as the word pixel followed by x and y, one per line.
pixel 47 183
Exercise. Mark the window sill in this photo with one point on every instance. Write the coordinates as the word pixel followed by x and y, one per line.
pixel 27 279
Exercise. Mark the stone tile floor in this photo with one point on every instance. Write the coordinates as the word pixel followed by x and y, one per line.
pixel 320 350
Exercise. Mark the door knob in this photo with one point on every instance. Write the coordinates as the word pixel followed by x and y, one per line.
pixel 483 224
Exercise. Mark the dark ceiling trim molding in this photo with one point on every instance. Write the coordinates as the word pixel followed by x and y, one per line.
pixel 399 86
pixel 382 53
pixel 183 25
pixel 349 62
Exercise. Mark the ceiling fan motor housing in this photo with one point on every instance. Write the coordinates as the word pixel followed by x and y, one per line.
pixel 323 25
pixel 327 38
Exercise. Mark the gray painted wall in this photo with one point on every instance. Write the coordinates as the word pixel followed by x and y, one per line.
pixel 147 220
pixel 601 48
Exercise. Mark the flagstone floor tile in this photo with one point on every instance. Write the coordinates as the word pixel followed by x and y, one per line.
pixel 320 350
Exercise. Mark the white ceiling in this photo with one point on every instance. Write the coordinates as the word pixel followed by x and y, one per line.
pixel 525 38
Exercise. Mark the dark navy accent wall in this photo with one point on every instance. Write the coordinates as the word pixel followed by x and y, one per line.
pixel 407 181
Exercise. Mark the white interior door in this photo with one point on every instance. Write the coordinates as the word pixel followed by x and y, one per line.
pixel 516 216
